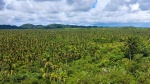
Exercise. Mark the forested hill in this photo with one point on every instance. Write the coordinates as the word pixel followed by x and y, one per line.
pixel 50 26
pixel 9 27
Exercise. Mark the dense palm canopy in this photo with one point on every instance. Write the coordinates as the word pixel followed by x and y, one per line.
pixel 68 56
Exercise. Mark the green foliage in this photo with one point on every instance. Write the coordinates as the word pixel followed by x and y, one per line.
pixel 134 46
pixel 75 56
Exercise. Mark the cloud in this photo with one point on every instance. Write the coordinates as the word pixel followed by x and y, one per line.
pixel 115 5
pixel 81 5
pixel 81 12
pixel 2 3
pixel 46 0
pixel 134 7
pixel 144 4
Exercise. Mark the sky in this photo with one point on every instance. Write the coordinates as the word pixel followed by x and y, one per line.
pixel 76 12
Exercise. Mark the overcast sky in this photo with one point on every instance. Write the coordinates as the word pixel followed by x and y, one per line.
pixel 81 12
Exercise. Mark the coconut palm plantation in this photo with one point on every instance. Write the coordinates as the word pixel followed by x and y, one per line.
pixel 75 56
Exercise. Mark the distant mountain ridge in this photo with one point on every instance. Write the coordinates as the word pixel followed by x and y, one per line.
pixel 50 26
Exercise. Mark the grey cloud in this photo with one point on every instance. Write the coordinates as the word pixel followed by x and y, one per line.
pixel 131 2
pixel 81 5
pixel 2 4
pixel 10 7
pixel 40 0
pixel 114 5
pixel 46 0
pixel 144 5
pixel 70 2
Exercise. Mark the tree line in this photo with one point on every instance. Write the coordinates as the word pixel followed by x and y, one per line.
pixel 50 26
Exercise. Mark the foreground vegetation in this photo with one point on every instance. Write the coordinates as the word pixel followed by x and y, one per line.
pixel 75 56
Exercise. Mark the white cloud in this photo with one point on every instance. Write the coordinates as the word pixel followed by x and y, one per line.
pixel 123 8
pixel 134 7
pixel 73 11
